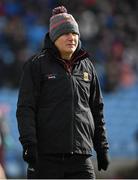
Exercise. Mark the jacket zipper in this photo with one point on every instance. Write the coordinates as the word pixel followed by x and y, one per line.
pixel 72 91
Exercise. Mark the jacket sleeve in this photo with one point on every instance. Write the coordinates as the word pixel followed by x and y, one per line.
pixel 26 107
pixel 96 104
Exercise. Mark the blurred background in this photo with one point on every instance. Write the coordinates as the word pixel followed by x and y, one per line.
pixel 109 32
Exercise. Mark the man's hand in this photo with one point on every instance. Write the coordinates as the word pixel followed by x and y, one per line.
pixel 102 160
pixel 30 154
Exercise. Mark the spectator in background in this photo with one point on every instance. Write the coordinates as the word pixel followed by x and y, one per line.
pixel 60 107
pixel 4 134
pixel 2 173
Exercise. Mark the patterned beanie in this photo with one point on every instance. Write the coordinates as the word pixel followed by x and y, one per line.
pixel 61 23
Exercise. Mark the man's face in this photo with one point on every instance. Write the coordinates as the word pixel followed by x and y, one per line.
pixel 67 44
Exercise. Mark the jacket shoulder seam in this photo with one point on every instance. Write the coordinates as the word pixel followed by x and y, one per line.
pixel 39 56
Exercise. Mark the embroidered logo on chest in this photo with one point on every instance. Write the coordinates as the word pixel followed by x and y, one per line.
pixel 51 76
pixel 85 76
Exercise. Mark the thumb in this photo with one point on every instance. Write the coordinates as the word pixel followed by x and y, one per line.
pixel 99 166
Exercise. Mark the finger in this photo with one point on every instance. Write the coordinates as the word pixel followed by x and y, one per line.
pixel 99 168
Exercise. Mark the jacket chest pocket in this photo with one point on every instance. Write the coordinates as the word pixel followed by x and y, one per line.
pixel 83 83
pixel 53 84
pixel 83 78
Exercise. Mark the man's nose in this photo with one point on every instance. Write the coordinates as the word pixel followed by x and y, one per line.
pixel 70 36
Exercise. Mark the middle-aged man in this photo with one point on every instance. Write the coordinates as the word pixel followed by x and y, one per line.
pixel 60 107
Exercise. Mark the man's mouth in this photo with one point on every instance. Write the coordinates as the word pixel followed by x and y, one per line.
pixel 71 45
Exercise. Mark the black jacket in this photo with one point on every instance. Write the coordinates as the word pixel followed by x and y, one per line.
pixel 60 106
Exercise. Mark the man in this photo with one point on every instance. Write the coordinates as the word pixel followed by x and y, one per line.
pixel 60 107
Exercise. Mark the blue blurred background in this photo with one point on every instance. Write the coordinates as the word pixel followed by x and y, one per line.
pixel 109 32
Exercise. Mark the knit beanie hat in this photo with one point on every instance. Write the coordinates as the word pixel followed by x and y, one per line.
pixel 61 23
